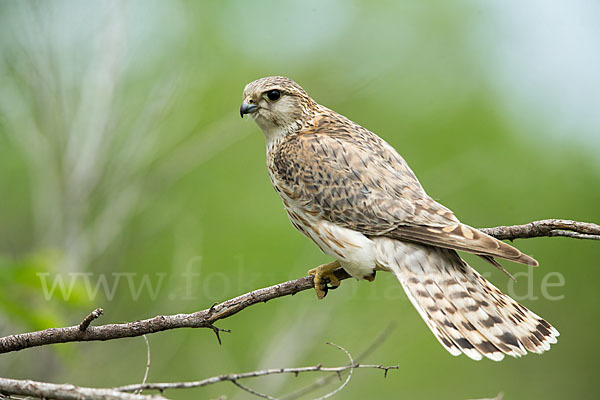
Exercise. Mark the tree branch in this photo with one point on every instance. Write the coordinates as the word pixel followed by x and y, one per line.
pixel 253 374
pixel 234 378
pixel 546 227
pixel 70 392
pixel 207 318
pixel 200 319
pixel 66 392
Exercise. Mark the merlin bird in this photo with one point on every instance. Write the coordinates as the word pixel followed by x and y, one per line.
pixel 351 193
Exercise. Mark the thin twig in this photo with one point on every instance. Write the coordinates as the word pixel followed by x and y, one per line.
pixel 90 317
pixel 235 378
pixel 499 397
pixel 207 318
pixel 343 385
pixel 252 374
pixel 575 235
pixel 252 391
pixel 328 379
pixel 147 364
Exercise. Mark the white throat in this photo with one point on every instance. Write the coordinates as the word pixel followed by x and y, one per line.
pixel 274 134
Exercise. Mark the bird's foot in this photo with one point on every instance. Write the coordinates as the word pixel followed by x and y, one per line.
pixel 325 279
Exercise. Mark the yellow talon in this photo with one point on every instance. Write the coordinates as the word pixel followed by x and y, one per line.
pixel 324 276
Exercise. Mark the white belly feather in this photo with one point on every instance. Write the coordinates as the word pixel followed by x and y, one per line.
pixel 355 252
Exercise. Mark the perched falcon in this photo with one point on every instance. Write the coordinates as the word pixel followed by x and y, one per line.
pixel 351 193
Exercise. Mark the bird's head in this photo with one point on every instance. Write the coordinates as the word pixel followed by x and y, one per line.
pixel 277 104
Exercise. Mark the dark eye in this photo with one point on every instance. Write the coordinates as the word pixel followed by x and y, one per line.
pixel 274 94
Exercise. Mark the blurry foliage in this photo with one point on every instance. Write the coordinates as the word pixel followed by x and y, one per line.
pixel 122 152
pixel 20 296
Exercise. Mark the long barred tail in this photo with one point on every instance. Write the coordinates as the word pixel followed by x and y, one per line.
pixel 465 312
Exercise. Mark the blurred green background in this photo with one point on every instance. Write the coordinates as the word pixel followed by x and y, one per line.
pixel 123 158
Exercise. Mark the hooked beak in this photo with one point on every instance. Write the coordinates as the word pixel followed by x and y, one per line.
pixel 247 108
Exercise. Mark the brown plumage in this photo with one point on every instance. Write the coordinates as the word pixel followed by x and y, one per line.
pixel 356 198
